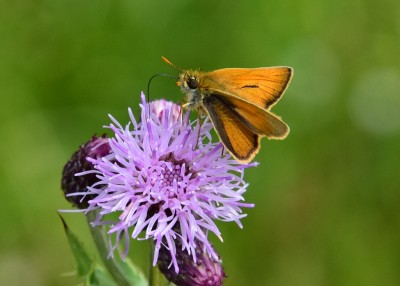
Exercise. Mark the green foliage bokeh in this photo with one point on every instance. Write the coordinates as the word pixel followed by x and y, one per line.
pixel 327 198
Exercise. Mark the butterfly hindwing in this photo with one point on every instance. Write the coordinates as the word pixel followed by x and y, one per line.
pixel 238 137
pixel 262 122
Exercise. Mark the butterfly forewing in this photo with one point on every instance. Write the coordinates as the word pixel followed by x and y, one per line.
pixel 261 86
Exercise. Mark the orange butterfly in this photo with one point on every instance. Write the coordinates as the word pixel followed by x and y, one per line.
pixel 238 102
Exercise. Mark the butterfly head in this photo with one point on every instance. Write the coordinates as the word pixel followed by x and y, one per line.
pixel 190 84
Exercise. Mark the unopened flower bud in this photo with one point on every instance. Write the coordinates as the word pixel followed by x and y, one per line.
pixel 204 272
pixel 97 147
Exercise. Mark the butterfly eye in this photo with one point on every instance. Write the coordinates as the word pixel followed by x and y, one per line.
pixel 193 83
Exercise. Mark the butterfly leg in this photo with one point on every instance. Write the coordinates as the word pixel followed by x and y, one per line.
pixel 199 123
pixel 183 106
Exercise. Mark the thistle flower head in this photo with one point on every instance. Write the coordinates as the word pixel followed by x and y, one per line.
pixel 167 181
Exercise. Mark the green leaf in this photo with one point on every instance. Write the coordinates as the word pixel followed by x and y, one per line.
pixel 86 268
pixel 84 264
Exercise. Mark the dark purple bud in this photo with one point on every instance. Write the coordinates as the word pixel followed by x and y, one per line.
pixel 205 272
pixel 97 147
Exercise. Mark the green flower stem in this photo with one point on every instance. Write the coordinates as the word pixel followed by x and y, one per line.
pixel 98 234
pixel 154 272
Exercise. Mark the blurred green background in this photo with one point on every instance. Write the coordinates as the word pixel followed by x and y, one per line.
pixel 327 198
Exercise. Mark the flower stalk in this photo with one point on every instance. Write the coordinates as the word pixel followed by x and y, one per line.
pixel 101 241
pixel 155 277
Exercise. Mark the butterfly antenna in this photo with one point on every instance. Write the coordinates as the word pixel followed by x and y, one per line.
pixel 156 75
pixel 165 60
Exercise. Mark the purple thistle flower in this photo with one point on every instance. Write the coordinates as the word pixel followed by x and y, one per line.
pixel 167 181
